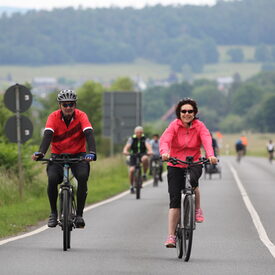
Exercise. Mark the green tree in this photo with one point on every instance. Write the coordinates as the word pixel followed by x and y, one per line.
pixel 90 101
pixel 236 54
pixel 262 53
pixel 266 115
pixel 245 97
pixel 122 84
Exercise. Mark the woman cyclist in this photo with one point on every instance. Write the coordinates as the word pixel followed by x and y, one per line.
pixel 184 137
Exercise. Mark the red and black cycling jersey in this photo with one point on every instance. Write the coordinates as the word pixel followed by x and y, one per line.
pixel 68 139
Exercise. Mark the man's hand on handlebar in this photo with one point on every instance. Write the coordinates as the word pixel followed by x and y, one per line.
pixel 90 157
pixel 37 155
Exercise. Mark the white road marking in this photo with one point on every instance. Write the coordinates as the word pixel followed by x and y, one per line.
pixel 253 213
pixel 45 227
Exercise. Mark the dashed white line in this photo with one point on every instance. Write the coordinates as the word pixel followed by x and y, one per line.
pixel 253 213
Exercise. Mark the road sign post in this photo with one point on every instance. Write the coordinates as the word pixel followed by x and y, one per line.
pixel 121 114
pixel 18 99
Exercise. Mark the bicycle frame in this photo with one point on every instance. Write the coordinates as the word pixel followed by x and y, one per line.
pixel 138 176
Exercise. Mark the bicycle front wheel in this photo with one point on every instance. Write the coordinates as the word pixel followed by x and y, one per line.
pixel 138 182
pixel 179 235
pixel 65 219
pixel 189 219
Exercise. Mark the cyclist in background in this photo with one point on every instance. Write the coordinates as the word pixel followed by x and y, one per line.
pixel 270 150
pixel 156 155
pixel 239 149
pixel 215 145
pixel 137 143
pixel 184 137
pixel 245 143
pixel 68 130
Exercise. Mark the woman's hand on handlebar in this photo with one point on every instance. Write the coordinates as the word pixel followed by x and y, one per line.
pixel 213 160
pixel 165 157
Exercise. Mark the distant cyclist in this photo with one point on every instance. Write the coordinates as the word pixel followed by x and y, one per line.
pixel 270 150
pixel 184 137
pixel 239 149
pixel 156 155
pixel 68 130
pixel 138 143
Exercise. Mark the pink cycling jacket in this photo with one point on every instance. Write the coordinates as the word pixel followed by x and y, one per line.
pixel 180 142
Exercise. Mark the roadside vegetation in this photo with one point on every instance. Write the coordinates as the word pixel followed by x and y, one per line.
pixel 109 176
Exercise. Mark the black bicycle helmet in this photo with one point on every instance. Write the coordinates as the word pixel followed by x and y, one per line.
pixel 66 95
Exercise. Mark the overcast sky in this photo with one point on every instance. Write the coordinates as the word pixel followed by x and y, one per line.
pixel 48 4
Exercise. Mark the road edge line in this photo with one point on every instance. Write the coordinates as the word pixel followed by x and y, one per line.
pixel 88 208
pixel 253 213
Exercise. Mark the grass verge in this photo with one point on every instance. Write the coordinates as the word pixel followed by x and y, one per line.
pixel 108 177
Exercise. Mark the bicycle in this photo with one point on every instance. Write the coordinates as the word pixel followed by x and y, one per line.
pixel 156 170
pixel 67 202
pixel 187 223
pixel 138 175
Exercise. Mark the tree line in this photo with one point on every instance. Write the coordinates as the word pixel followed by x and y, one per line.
pixel 173 35
pixel 246 105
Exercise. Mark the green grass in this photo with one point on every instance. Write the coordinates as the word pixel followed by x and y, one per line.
pixel 108 177
pixel 213 71
pixel 84 72
pixel 248 51
pixel 140 68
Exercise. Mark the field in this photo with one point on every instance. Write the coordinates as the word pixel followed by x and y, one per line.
pixel 141 69
pixel 256 143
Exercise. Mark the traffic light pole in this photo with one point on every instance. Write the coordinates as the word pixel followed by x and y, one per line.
pixel 18 126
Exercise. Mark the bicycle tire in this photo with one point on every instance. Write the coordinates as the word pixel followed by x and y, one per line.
pixel 65 219
pixel 155 177
pixel 179 244
pixel 189 219
pixel 138 183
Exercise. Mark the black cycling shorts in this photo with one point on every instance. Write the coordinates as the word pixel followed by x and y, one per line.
pixel 176 182
pixel 133 159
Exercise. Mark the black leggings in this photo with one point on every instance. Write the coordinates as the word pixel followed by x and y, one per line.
pixel 176 182
pixel 81 172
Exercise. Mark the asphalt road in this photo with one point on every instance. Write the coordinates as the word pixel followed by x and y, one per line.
pixel 127 236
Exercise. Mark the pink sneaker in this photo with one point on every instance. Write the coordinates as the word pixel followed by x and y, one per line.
pixel 171 241
pixel 199 215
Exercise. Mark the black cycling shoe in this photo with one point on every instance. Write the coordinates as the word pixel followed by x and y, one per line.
pixel 79 222
pixel 52 222
pixel 132 190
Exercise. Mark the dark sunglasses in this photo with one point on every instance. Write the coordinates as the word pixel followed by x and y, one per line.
pixel 187 111
pixel 65 105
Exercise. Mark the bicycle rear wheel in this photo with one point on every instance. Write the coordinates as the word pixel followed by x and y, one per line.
pixel 155 176
pixel 65 219
pixel 189 219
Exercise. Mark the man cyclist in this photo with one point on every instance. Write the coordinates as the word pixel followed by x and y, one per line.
pixel 270 150
pixel 239 149
pixel 137 144
pixel 68 130
pixel 156 155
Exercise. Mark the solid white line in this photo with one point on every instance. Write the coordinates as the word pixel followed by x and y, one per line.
pixel 45 227
pixel 253 213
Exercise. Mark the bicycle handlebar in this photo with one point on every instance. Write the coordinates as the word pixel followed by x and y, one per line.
pixel 176 161
pixel 62 160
